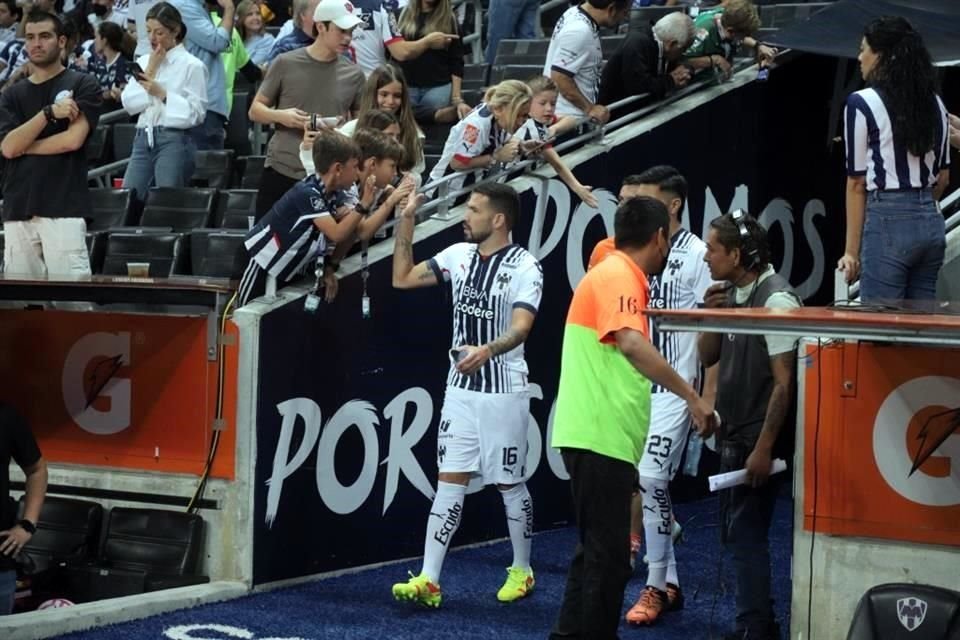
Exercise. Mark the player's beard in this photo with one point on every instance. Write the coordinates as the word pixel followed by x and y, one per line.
pixel 476 237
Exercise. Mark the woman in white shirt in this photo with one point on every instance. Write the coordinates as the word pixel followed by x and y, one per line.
pixel 171 98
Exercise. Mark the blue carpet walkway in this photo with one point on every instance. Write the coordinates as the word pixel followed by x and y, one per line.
pixel 359 606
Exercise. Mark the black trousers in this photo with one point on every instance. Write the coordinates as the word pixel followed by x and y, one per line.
pixel 593 599
pixel 745 517
pixel 272 187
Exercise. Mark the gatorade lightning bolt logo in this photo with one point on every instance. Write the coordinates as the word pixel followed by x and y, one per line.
pixel 934 433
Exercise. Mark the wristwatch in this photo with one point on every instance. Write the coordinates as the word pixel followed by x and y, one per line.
pixel 27 526
pixel 48 114
pixel 362 210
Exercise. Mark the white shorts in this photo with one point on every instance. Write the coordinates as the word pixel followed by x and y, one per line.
pixel 667 437
pixel 484 434
pixel 46 247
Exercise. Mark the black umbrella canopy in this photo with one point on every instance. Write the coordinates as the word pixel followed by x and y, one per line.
pixel 837 29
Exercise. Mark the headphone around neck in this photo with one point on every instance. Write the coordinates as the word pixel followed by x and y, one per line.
pixel 748 246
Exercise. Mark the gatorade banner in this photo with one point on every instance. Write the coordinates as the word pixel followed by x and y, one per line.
pixel 882 457
pixel 117 390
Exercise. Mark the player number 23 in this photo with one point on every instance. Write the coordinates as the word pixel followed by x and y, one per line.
pixel 659 445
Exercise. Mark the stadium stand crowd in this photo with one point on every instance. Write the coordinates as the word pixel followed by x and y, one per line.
pixel 226 146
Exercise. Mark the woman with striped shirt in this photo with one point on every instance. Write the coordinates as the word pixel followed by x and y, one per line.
pixel 898 159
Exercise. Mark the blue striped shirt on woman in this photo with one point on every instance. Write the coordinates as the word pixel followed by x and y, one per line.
pixel 872 152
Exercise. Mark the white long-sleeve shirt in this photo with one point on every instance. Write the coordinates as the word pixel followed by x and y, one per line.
pixel 185 80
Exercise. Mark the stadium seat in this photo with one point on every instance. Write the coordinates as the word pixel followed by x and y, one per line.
pixel 213 252
pixel 251 169
pixel 111 208
pixel 96 249
pixel 238 125
pixel 143 550
pixel 475 76
pixel 430 160
pixel 213 168
pixel 521 52
pixel 164 250
pixel 178 208
pixel 610 44
pixel 123 135
pixel 68 530
pixel 499 73
pixel 782 15
pixel 643 17
pixel 435 137
pixel 900 611
pixel 235 207
pixel 96 144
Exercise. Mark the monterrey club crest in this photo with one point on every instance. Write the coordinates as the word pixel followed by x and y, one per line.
pixel 911 612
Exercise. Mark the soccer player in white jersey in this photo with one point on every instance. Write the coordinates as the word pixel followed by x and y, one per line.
pixel 681 286
pixel 483 424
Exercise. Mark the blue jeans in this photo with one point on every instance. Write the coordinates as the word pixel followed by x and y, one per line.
pixel 510 19
pixel 168 164
pixel 8 587
pixel 904 239
pixel 211 134
pixel 431 98
pixel 745 517
pixel 426 101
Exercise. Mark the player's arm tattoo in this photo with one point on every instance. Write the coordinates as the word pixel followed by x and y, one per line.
pixel 402 251
pixel 509 340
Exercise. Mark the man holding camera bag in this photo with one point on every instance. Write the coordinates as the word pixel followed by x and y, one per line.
pixel 311 80
pixel 17 443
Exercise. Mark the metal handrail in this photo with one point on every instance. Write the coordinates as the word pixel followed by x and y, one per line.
pixel 440 205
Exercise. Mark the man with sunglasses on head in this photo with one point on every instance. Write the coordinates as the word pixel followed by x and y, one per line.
pixel 756 404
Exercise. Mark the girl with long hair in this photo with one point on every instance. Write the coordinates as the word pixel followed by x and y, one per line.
pixel 897 148
pixel 485 137
pixel 256 40
pixel 386 89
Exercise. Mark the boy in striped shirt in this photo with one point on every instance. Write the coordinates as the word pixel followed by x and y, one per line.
pixel 321 208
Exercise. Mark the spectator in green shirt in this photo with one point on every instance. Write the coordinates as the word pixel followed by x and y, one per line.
pixel 235 58
pixel 720 32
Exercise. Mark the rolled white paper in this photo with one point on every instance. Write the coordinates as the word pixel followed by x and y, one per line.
pixel 734 478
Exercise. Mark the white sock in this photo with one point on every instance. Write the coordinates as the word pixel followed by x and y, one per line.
pixel 672 577
pixel 657 529
pixel 519 507
pixel 444 519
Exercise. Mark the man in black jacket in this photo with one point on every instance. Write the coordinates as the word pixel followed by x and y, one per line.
pixel 643 63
